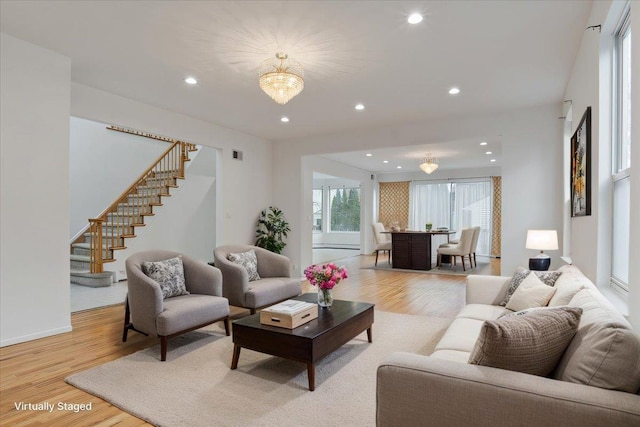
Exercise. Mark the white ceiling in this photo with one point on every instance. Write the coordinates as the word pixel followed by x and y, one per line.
pixel 503 55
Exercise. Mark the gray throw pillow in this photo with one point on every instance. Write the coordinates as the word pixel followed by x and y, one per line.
pixel 249 261
pixel 547 277
pixel 531 343
pixel 169 274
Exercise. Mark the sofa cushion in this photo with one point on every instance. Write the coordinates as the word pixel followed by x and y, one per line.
pixel 482 311
pixel 249 261
pixel 169 274
pixel 570 282
pixel 461 335
pixel 187 311
pixel 271 289
pixel 605 352
pixel 532 292
pixel 547 277
pixel 531 343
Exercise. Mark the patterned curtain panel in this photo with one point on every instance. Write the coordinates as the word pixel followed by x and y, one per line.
pixel 393 203
pixel 496 236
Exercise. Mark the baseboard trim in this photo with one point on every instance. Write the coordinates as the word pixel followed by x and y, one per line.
pixel 38 335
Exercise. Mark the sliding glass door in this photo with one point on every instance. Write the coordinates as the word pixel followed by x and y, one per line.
pixel 455 205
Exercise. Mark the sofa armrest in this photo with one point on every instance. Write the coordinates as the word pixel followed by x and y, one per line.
pixel 486 289
pixel 201 278
pixel 421 390
pixel 145 299
pixel 272 265
pixel 235 279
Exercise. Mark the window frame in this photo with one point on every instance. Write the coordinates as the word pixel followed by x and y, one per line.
pixel 619 171
pixel 329 208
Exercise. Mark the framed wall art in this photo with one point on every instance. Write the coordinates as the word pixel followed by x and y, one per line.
pixel 581 167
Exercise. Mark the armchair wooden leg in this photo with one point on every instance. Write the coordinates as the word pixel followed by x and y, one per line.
pixel 163 348
pixel 127 316
pixel 462 259
pixel 377 257
pixel 226 326
pixel 252 311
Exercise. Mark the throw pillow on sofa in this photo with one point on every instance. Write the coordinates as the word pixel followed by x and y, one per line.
pixel 169 274
pixel 249 261
pixel 531 343
pixel 532 292
pixel 547 277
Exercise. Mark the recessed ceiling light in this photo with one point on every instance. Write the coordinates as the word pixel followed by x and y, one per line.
pixel 359 107
pixel 414 18
pixel 385 161
pixel 398 167
pixel 190 80
pixel 488 152
pixel 454 91
pixel 369 154
pixel 493 160
pixel 284 119
pixel 483 143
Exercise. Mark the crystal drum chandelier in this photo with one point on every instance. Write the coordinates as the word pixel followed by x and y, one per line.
pixel 281 78
pixel 429 164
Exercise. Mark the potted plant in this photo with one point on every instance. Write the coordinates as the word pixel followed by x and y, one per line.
pixel 272 229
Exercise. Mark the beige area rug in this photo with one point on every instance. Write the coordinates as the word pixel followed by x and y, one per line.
pixel 454 270
pixel 195 386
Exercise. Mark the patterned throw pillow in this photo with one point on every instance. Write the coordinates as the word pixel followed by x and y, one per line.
pixel 249 261
pixel 169 274
pixel 531 343
pixel 547 277
pixel 532 292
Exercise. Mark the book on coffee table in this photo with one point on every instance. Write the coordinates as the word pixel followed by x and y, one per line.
pixel 289 314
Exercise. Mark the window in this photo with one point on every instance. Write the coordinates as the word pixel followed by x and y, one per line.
pixel 344 209
pixel 317 209
pixel 621 148
pixel 455 205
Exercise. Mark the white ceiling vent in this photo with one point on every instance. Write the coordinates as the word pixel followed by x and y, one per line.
pixel 237 155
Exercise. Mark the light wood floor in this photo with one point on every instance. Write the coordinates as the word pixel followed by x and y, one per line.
pixel 34 372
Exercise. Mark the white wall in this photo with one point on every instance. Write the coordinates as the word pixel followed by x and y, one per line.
pixel 589 84
pixel 34 213
pixel 531 170
pixel 244 188
pixel 103 163
pixel 582 90
pixel 186 221
pixel 440 175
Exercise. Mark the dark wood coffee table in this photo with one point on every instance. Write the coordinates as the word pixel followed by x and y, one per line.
pixel 308 343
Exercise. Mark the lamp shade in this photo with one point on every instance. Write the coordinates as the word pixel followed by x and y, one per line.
pixel 542 240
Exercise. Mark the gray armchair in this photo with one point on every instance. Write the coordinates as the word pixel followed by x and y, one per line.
pixel 148 313
pixel 275 284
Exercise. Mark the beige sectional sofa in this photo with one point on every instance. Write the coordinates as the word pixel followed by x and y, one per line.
pixel 595 383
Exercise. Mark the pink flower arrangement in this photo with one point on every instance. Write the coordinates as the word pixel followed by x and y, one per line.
pixel 325 276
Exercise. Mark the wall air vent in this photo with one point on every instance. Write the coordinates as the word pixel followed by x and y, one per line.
pixel 237 154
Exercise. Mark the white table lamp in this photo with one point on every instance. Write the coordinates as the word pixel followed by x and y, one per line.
pixel 542 240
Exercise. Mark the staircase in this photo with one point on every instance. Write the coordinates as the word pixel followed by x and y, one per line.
pixel 107 233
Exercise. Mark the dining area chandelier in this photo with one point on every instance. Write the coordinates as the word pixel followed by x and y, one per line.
pixel 281 78
pixel 429 164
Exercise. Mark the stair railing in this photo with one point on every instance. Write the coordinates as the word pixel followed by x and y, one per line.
pixel 109 229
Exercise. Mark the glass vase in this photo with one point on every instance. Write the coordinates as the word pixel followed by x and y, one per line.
pixel 325 297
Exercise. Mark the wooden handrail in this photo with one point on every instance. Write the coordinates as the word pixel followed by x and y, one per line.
pixel 157 179
pixel 133 186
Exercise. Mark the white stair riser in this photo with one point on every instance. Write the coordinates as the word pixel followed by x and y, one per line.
pixel 87 252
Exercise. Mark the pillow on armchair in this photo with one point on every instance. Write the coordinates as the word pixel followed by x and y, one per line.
pixel 169 274
pixel 248 260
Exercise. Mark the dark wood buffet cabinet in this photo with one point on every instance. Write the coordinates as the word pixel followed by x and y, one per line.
pixel 412 249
